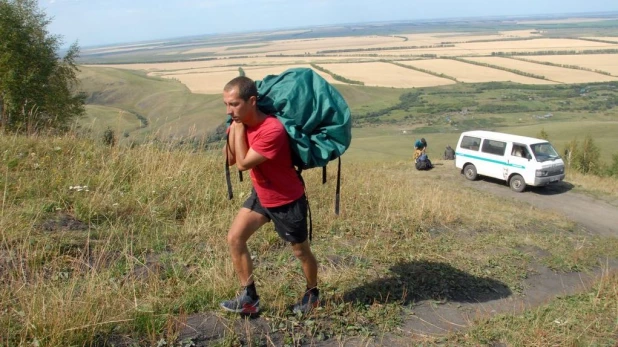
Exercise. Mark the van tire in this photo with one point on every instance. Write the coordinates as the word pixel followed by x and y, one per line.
pixel 517 183
pixel 470 172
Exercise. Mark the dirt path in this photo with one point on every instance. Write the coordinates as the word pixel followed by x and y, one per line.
pixel 594 215
pixel 597 216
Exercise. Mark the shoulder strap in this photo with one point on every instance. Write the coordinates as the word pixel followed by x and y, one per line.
pixel 228 181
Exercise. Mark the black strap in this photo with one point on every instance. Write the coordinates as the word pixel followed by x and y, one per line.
pixel 338 191
pixel 323 174
pixel 230 193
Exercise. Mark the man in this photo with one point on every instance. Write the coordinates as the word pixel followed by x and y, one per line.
pixel 259 142
pixel 420 147
pixel 449 153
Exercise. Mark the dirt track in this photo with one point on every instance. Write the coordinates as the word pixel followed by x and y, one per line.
pixel 597 216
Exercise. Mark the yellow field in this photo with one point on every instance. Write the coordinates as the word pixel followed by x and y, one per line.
pixel 563 21
pixel 557 74
pixel 385 75
pixel 232 62
pixel 486 48
pixel 606 38
pixel 470 73
pixel 213 82
pixel 208 76
pixel 603 62
pixel 305 45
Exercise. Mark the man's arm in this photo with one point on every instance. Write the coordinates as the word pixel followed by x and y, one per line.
pixel 246 158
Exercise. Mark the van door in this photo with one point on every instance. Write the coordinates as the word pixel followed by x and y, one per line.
pixel 519 161
pixel 494 159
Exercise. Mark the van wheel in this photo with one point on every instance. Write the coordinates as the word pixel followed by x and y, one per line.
pixel 517 183
pixel 470 172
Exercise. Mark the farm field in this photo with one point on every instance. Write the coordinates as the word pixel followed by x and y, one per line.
pixel 558 74
pixel 602 62
pixel 386 75
pixel 470 73
pixel 213 82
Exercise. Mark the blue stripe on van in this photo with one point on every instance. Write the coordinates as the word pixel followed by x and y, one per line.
pixel 490 160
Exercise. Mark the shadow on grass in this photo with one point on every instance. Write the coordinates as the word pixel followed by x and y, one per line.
pixel 425 280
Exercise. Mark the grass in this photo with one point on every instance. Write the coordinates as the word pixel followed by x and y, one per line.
pixel 118 244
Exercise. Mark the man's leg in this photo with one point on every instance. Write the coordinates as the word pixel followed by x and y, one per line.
pixel 302 251
pixel 243 226
pixel 311 297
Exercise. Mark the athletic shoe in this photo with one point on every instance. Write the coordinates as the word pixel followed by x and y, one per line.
pixel 242 304
pixel 307 303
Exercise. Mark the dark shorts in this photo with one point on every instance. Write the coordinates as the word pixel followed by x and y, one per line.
pixel 290 219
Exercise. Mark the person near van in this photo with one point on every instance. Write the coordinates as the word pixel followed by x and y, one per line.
pixel 420 147
pixel 449 153
pixel 259 142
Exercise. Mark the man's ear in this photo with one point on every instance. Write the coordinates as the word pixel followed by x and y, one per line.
pixel 253 100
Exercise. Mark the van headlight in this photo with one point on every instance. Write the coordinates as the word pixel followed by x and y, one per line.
pixel 542 173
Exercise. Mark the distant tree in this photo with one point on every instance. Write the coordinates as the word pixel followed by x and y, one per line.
pixel 543 135
pixel 109 137
pixel 570 152
pixel 37 87
pixel 587 158
pixel 612 169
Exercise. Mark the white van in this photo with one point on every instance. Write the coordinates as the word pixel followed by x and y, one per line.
pixel 518 160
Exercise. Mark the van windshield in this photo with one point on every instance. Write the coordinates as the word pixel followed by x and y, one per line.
pixel 544 152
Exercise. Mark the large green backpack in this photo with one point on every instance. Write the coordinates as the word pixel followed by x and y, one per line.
pixel 314 114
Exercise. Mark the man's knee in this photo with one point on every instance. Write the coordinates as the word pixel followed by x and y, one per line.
pixel 302 251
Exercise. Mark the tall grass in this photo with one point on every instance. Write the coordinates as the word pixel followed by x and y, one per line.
pixel 101 243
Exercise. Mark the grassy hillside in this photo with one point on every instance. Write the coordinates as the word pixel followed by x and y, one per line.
pixel 121 246
pixel 164 108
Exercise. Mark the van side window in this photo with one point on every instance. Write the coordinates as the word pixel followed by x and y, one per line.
pixel 519 151
pixel 494 147
pixel 469 142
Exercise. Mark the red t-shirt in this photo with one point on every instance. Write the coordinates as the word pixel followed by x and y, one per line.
pixel 275 180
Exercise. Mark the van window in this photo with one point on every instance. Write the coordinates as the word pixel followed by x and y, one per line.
pixel 544 151
pixel 494 147
pixel 519 150
pixel 469 142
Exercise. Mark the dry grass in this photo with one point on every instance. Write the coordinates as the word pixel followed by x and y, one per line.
pixel 606 187
pixel 550 72
pixel 143 245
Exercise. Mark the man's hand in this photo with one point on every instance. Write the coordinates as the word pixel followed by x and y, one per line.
pixel 246 158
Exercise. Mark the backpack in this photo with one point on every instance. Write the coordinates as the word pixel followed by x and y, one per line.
pixel 423 163
pixel 315 116
pixel 449 153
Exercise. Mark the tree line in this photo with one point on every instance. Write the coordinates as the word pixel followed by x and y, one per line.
pixel 585 157
pixel 337 77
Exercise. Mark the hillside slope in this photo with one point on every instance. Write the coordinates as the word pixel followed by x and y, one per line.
pixel 163 108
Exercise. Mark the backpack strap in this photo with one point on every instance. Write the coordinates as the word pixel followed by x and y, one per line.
pixel 230 193
pixel 338 191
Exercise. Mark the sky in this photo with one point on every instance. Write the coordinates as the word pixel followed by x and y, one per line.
pixel 102 22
